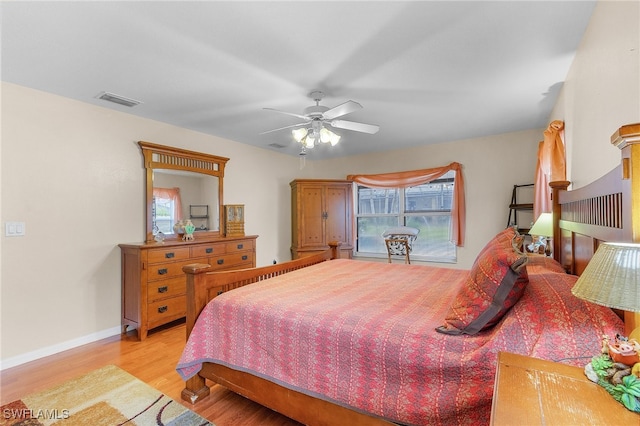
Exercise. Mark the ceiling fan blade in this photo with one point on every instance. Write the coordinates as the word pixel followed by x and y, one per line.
pixel 304 117
pixel 342 109
pixel 358 127
pixel 282 128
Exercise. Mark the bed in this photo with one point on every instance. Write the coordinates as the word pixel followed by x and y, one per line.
pixel 371 348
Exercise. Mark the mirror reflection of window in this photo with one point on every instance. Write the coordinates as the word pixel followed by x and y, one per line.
pixel 167 209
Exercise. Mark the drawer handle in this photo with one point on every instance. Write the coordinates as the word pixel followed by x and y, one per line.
pixel 169 255
pixel 162 271
pixel 220 261
pixel 162 309
pixel 245 257
pixel 209 250
pixel 240 246
pixel 163 289
pixel 220 292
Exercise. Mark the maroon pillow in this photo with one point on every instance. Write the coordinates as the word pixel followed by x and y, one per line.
pixel 494 284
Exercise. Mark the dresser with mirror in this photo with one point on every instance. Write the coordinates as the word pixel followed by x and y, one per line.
pixel 181 185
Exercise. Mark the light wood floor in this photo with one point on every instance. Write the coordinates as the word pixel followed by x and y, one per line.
pixel 152 361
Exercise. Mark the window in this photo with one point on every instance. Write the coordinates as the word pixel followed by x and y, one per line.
pixel 166 209
pixel 163 215
pixel 426 207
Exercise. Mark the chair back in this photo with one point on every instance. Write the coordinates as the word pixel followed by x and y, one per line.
pixel 399 241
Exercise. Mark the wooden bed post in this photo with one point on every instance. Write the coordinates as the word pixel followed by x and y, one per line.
pixel 196 387
pixel 335 246
pixel 557 186
pixel 627 139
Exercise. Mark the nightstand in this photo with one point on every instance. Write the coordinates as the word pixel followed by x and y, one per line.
pixel 531 391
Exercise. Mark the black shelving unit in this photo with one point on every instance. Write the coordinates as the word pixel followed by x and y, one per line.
pixel 515 206
pixel 199 215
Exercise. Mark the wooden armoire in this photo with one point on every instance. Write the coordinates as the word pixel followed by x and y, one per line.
pixel 321 212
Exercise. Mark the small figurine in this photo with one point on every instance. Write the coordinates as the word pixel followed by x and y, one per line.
pixel 159 237
pixel 624 350
pixel 189 228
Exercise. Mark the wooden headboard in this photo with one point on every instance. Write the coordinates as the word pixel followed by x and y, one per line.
pixel 608 209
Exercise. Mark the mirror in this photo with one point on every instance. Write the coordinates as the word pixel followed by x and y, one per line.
pixel 181 195
pixel 182 185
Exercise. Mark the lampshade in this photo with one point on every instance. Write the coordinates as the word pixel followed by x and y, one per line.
pixel 309 141
pixel 612 277
pixel 299 134
pixel 543 226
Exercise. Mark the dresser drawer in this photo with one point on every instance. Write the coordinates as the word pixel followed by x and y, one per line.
pixel 230 260
pixel 168 254
pixel 163 289
pixel 236 246
pixel 164 311
pixel 161 271
pixel 207 250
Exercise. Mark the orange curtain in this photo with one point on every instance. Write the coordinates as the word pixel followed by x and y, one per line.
pixel 171 194
pixel 551 166
pixel 419 177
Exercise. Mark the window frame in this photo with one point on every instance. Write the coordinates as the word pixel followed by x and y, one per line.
pixel 172 214
pixel 402 216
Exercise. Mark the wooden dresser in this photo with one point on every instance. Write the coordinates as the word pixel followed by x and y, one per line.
pixel 321 212
pixel 154 284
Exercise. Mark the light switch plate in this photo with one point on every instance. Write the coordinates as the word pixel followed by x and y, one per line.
pixel 15 229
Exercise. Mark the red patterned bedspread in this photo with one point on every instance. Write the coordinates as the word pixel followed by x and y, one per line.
pixel 361 334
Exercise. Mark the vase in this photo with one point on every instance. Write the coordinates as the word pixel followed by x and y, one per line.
pixel 178 228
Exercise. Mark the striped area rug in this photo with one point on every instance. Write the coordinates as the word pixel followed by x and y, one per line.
pixel 107 396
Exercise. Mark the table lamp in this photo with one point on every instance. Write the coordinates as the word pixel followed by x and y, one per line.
pixel 612 279
pixel 544 227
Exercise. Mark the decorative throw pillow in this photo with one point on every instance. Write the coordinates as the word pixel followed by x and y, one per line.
pixel 494 284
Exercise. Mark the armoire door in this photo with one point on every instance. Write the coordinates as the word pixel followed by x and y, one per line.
pixel 337 214
pixel 312 218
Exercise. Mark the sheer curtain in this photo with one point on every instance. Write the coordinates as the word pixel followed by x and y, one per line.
pixel 419 177
pixel 551 166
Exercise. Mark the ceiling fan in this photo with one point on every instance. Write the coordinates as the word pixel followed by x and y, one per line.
pixel 317 116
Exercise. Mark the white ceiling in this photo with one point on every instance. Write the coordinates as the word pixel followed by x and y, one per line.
pixel 424 71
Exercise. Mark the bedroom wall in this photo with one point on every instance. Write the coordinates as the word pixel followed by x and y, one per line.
pixel 602 90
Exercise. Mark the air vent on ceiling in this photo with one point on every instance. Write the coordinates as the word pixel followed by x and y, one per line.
pixel 277 145
pixel 117 99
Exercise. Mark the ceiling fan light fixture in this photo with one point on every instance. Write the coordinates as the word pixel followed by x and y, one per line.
pixel 309 141
pixel 299 134
pixel 325 135
pixel 317 116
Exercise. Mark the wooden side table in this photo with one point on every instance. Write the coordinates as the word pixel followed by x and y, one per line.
pixel 531 391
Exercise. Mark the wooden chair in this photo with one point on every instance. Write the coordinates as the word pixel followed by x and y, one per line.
pixel 399 241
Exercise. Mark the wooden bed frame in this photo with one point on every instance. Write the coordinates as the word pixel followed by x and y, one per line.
pixel 606 210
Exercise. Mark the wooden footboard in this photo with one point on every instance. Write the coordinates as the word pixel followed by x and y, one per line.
pixel 203 285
